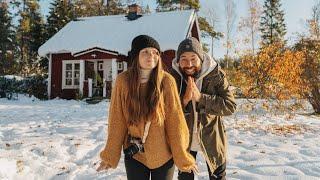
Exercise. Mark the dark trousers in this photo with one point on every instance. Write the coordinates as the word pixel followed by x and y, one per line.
pixel 138 171
pixel 218 174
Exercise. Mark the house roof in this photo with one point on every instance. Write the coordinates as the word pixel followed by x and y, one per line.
pixel 115 33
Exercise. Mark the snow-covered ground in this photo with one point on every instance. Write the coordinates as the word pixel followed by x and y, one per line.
pixel 60 139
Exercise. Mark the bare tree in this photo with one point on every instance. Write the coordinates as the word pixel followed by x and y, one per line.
pixel 250 24
pixel 212 18
pixel 230 14
pixel 314 22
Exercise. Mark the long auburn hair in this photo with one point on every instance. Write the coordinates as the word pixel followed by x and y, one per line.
pixel 147 107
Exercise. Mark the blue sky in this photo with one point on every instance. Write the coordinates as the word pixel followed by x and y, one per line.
pixel 296 13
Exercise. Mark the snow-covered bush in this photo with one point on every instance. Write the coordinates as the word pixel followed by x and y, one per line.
pixel 34 85
pixel 9 85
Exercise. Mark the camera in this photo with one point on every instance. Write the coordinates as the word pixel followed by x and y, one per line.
pixel 135 147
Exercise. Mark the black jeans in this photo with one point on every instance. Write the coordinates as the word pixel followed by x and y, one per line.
pixel 138 171
pixel 218 174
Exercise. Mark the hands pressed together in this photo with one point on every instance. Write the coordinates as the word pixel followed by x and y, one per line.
pixel 192 92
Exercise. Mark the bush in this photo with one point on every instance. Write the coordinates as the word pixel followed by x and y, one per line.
pixel 36 86
pixel 275 72
pixel 8 85
pixel 311 70
pixel 33 85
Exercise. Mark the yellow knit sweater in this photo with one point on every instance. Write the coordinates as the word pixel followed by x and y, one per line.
pixel 163 142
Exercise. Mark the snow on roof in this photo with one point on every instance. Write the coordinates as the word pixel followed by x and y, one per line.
pixel 115 33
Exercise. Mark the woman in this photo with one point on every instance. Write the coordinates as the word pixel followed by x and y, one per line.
pixel 146 118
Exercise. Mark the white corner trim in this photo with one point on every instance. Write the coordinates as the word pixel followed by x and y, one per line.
pixel 49 76
pixel 114 69
pixel 81 78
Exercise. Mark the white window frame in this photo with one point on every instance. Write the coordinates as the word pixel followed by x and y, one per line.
pixel 100 66
pixel 120 66
pixel 64 63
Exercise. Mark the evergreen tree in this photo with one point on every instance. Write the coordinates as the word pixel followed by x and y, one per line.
pixel 272 24
pixel 30 34
pixel 38 35
pixel 61 12
pixel 165 5
pixel 170 5
pixel 37 28
pixel 84 8
pixel 208 31
pixel 115 7
pixel 6 41
pixel 205 27
pixel 146 10
pixel 189 4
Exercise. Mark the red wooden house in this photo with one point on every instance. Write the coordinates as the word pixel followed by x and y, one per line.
pixel 86 55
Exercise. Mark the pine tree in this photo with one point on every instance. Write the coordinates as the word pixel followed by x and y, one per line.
pixel 146 10
pixel 272 24
pixel 188 4
pixel 30 34
pixel 6 40
pixel 170 5
pixel 115 7
pixel 84 8
pixel 38 35
pixel 61 12
pixel 165 5
pixel 208 31
pixel 37 28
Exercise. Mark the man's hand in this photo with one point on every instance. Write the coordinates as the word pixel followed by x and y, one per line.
pixel 189 92
pixel 103 166
pixel 196 93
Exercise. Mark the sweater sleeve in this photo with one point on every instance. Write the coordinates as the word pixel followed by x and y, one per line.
pixel 176 127
pixel 220 104
pixel 117 128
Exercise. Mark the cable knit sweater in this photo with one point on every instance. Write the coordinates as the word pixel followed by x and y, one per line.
pixel 164 141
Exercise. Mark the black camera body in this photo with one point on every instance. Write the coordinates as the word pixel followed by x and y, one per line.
pixel 136 146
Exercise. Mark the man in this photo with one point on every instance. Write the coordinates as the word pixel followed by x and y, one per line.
pixel 205 97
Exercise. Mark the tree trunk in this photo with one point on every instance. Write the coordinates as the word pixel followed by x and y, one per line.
pixel 314 100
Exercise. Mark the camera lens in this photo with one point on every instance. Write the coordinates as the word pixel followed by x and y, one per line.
pixel 131 150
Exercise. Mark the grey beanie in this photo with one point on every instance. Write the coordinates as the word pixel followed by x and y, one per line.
pixel 190 44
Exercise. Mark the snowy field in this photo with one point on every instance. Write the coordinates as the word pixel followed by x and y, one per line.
pixel 60 139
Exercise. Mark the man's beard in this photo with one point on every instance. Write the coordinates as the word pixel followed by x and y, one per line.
pixel 195 74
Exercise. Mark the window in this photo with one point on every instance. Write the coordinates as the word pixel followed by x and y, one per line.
pixel 120 66
pixel 100 66
pixel 71 74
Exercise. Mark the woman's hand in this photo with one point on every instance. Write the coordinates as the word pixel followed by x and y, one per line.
pixel 191 169
pixel 103 166
pixel 194 169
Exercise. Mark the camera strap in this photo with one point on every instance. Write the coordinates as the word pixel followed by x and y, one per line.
pixel 146 131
